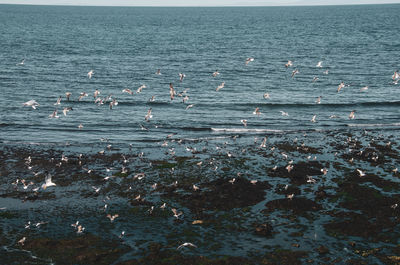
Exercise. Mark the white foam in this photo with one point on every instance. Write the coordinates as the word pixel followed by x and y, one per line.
pixel 373 124
pixel 245 130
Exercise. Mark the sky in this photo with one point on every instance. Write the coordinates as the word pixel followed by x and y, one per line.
pixel 195 2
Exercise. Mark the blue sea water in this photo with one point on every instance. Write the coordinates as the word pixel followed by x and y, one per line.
pixel 125 46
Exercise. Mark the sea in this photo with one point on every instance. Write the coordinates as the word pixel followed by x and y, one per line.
pixel 240 112
pixel 125 46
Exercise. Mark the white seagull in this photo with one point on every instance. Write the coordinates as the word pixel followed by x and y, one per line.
pixel 48 182
pixel 187 244
pixel 250 59
pixel 90 73
pixel 31 103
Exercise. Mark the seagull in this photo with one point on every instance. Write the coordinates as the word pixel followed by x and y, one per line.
pixel 22 62
pixel 352 114
pixel 189 106
pixel 152 99
pixel 362 174
pixel 266 96
pixel 364 89
pixel 257 111
pixel 288 64
pixel 284 113
pixel 187 244
pixel 295 72
pixel 144 128
pixel 58 101
pixel 54 114
pixel 172 92
pixel 112 217
pixel 80 126
pixel 326 72
pixel 148 115
pixel 158 72
pixel 290 196
pixel 313 118
pixel 215 73
pixel 318 101
pixel 96 189
pixel 264 143
pixel 67 95
pixel 139 90
pixel 395 75
pixel 22 241
pixel 250 59
pixel 127 90
pixel 47 182
pixel 96 93
pixel 91 72
pixel 31 103
pixel 65 110
pixel 181 76
pixel 244 122
pixel 176 214
pixel 82 95
pixel 319 64
pixel 220 86
pixel 80 229
pixel 114 102
pixel 315 79
pixel 341 85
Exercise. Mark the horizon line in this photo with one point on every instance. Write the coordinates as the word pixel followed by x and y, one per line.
pixel 233 5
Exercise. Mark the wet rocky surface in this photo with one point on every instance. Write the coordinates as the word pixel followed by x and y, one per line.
pixel 316 200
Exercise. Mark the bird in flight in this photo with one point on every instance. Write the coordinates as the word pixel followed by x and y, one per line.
pixel 181 76
pixel 248 60
pixel 187 244
pixel 148 115
pixel 22 62
pixel 139 90
pixel 48 182
pixel 288 64
pixel 295 72
pixel 65 110
pixel 220 86
pixel 352 114
pixel 319 64
pixel 284 113
pixel 127 90
pixel 172 92
pixel 90 73
pixel 31 103
pixel 341 85
pixel 67 95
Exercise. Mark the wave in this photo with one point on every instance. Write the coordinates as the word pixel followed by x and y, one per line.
pixel 374 124
pixel 244 130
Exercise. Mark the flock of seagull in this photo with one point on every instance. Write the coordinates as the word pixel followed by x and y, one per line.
pixel 149 115
pixel 172 92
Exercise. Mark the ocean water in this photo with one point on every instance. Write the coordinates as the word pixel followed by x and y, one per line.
pixel 125 46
